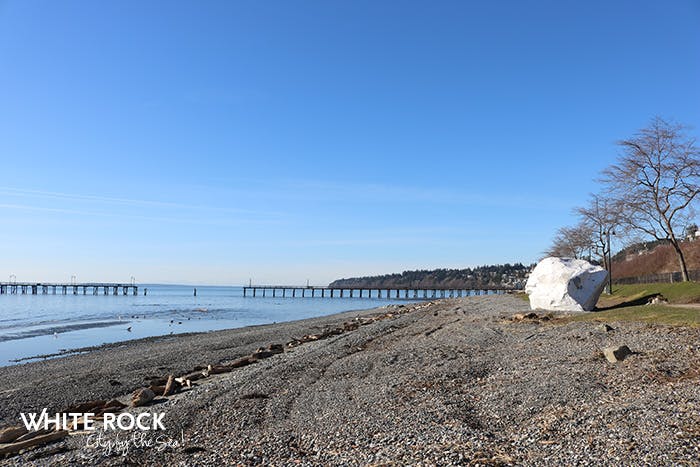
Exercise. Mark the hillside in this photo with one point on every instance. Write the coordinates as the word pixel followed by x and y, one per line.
pixel 655 259
pixel 505 275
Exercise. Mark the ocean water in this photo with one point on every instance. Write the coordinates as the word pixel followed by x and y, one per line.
pixel 41 325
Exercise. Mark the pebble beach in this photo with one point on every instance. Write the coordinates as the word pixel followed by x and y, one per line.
pixel 448 382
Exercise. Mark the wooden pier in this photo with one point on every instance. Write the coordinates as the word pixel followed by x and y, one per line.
pixel 91 288
pixel 393 293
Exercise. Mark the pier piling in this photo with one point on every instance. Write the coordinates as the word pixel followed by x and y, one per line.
pixel 397 293
pixel 39 288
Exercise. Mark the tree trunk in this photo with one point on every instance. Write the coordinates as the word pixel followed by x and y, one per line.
pixel 681 260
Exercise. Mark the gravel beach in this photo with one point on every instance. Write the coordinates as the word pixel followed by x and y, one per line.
pixel 450 382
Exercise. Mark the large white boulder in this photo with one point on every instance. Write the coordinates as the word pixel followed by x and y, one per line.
pixel 565 284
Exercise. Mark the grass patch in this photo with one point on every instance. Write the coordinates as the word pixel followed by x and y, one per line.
pixel 521 295
pixel 653 314
pixel 629 303
pixel 681 292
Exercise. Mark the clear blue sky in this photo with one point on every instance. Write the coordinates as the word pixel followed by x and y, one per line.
pixel 213 142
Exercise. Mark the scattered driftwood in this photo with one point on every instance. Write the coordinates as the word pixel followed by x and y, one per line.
pixel 16 438
pixel 16 447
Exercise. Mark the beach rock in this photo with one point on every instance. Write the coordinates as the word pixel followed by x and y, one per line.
pixel 617 354
pixel 565 284
pixel 606 328
pixel 657 299
pixel 142 397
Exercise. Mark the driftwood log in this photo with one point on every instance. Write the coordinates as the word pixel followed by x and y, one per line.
pixel 16 447
pixel 32 434
pixel 11 433
pixel 169 386
pixel 112 407
pixel 218 369
pixel 86 407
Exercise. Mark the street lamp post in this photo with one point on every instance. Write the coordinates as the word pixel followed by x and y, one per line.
pixel 608 233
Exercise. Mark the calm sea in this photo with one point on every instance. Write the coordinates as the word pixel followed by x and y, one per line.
pixel 32 325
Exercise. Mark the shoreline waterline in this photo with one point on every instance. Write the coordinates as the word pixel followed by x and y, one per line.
pixel 38 327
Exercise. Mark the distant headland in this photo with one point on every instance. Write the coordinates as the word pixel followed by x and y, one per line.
pixel 500 275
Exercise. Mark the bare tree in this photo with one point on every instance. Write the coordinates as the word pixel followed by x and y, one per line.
pixel 572 242
pixel 654 182
pixel 601 216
